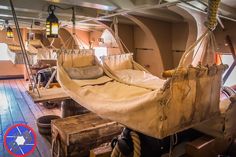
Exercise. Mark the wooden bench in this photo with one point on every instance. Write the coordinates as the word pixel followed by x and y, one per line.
pixel 51 94
pixel 68 106
pixel 75 136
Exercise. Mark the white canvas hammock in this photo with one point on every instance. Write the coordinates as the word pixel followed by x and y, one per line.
pixel 15 55
pixel 189 96
pixel 124 69
pixel 37 49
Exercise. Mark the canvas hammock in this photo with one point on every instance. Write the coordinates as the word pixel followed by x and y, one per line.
pixel 35 51
pixel 15 55
pixel 189 96
pixel 124 69
pixel 36 48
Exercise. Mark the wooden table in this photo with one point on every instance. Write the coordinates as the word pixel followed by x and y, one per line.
pixel 46 95
pixel 68 106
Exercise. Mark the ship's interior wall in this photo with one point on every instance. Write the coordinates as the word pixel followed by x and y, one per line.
pixel 170 38
pixel 7 68
pixel 220 34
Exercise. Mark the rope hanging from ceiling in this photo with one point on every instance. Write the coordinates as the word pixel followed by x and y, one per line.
pixel 213 6
pixel 207 36
pixel 25 56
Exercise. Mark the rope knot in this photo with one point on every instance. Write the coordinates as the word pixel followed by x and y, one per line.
pixel 127 143
pixel 213 6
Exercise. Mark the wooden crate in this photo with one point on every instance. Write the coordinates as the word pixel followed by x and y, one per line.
pixel 75 136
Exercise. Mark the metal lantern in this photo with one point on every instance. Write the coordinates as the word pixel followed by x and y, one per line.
pixel 9 32
pixel 52 24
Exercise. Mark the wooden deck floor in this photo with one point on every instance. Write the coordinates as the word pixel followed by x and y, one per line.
pixel 16 107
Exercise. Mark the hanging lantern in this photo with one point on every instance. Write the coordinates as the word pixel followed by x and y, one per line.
pixel 52 24
pixel 9 32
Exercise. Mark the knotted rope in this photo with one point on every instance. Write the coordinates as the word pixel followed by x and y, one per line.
pixel 213 6
pixel 114 27
pixel 136 143
pixel 211 23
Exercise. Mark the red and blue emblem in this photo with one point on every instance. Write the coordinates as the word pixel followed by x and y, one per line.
pixel 20 140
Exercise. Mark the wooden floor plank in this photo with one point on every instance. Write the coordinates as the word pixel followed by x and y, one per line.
pixel 55 111
pixel 6 120
pixel 43 145
pixel 1 137
pixel 16 106
pixel 1 128
pixel 12 95
pixel 46 111
pixel 17 115
pixel 39 106
pixel 33 107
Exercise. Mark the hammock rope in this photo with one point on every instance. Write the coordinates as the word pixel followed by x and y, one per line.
pixel 116 31
pixel 211 23
pixel 213 6
pixel 25 56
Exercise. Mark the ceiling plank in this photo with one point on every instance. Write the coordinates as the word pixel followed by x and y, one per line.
pixel 39 9
pixel 101 4
pixel 160 14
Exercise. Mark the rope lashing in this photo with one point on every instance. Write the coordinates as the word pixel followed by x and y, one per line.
pixel 213 6
pixel 115 24
pixel 114 27
pixel 24 53
pixel 211 23
pixel 116 152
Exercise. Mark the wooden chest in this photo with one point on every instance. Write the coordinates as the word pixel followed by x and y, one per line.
pixel 75 136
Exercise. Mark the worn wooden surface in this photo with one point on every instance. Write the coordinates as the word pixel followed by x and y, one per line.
pixel 17 107
pixel 79 134
pixel 203 146
pixel 207 146
pixel 102 151
pixel 51 94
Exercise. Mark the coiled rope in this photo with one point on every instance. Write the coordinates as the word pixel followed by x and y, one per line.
pixel 213 6
pixel 137 147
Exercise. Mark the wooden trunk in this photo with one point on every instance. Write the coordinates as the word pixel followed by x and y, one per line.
pixel 76 136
